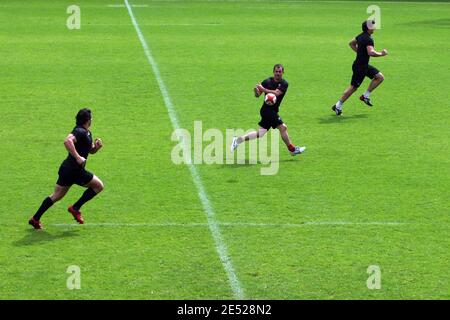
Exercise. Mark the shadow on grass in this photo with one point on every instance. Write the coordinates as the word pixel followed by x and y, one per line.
pixel 334 119
pixel 258 164
pixel 33 237
pixel 435 23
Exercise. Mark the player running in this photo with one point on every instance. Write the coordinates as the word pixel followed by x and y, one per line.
pixel 364 48
pixel 79 144
pixel 269 114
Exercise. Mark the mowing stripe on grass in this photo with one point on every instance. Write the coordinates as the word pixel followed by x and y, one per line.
pixel 212 224
pixel 257 2
pixel 124 6
pixel 231 224
pixel 315 1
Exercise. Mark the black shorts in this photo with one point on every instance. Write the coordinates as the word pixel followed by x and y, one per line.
pixel 361 71
pixel 269 118
pixel 71 175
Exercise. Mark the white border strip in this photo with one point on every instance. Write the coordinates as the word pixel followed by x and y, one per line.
pixel 212 224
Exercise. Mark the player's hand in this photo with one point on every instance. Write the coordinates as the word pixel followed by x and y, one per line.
pixel 81 161
pixel 98 143
pixel 260 88
pixel 384 52
pixel 257 92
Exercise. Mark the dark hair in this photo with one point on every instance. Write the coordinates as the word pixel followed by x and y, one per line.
pixel 83 116
pixel 278 65
pixel 364 25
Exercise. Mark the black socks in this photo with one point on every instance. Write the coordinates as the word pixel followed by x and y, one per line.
pixel 47 203
pixel 87 195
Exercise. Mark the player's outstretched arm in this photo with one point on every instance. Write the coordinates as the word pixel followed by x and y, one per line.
pixel 69 143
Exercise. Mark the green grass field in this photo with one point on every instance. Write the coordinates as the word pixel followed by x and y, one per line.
pixel 372 188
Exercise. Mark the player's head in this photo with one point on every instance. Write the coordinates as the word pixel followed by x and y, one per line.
pixel 278 71
pixel 84 117
pixel 368 26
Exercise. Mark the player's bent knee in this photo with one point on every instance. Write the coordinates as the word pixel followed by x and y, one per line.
pixel 96 184
pixel 380 77
pixel 260 133
pixel 56 197
pixel 283 127
pixel 99 186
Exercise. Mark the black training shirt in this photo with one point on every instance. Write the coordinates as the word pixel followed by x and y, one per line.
pixel 271 84
pixel 362 57
pixel 83 145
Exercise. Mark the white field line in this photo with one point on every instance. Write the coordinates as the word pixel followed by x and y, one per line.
pixel 221 247
pixel 184 24
pixel 124 6
pixel 160 24
pixel 233 224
